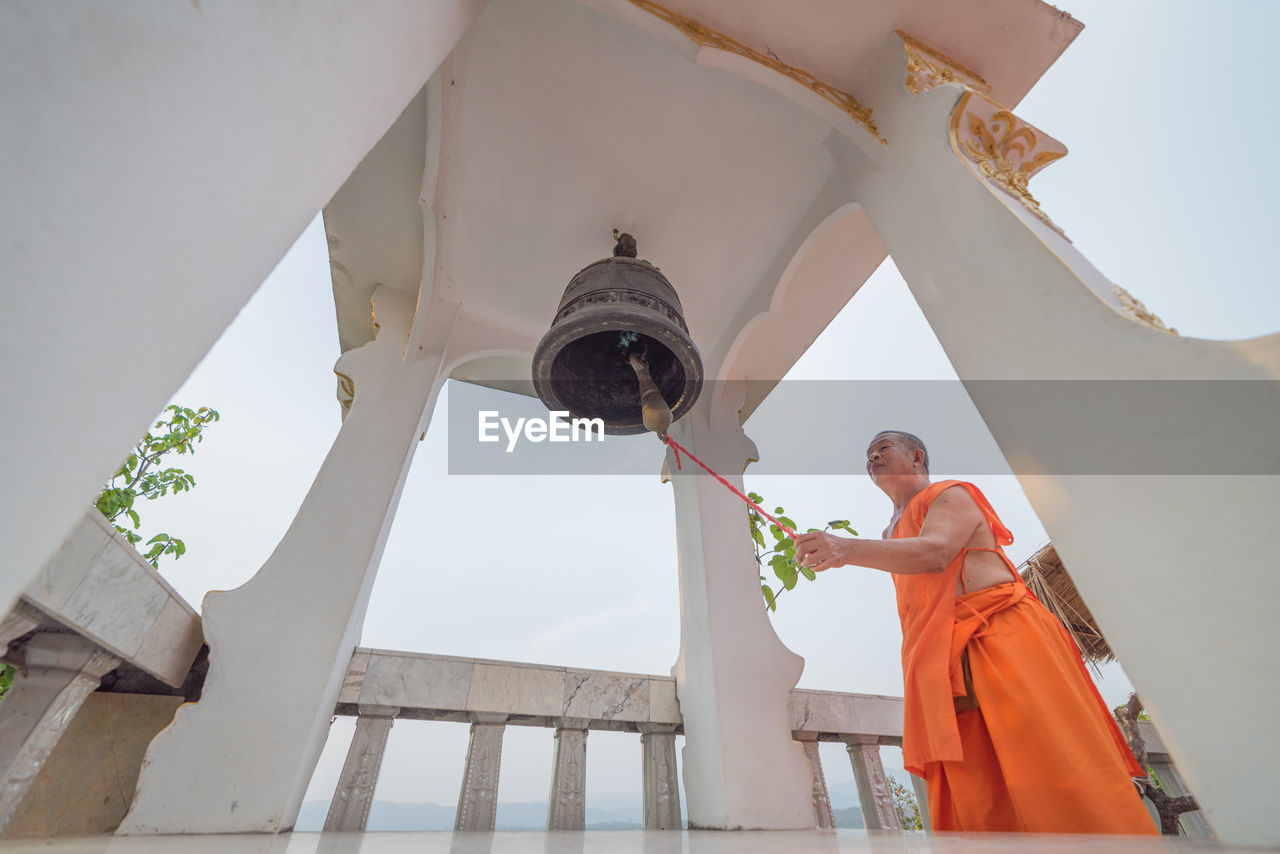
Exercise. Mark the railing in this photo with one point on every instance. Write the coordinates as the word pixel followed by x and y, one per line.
pixel 490 695
pixel 381 686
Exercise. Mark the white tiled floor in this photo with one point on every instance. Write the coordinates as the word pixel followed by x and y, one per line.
pixel 610 842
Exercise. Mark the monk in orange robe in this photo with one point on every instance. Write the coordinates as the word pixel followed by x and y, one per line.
pixel 1000 718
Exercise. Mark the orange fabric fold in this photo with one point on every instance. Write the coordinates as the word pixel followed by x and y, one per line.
pixel 1041 753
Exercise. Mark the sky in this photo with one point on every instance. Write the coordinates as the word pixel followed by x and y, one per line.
pixel 1167 110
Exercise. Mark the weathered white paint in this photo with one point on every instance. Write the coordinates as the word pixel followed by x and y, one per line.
pixel 152 181
pixel 275 672
pixel 734 677
pixel 1145 551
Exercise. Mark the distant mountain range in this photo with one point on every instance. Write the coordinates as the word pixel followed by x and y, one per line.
pixel 612 811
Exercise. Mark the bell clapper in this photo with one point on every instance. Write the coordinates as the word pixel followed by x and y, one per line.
pixel 654 411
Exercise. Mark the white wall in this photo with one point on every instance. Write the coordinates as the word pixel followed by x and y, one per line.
pixel 160 158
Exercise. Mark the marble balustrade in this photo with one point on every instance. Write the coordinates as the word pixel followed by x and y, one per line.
pixel 491 695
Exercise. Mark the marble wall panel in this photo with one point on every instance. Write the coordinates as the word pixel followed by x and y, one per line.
pixel 664 707
pixel 823 711
pixel 354 680
pixel 606 696
pixel 169 648
pixel 67 566
pixel 417 682
pixel 117 601
pixel 512 689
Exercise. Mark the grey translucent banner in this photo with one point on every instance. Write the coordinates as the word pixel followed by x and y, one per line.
pixel 1065 427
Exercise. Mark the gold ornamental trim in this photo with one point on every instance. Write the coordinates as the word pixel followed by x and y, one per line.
pixel 1139 312
pixel 1004 149
pixel 928 67
pixel 346 391
pixel 704 36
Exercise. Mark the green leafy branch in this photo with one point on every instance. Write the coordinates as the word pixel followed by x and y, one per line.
pixel 143 477
pixel 778 551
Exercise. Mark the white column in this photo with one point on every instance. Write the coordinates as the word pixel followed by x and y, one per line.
pixel 985 269
pixel 349 809
pixel 478 799
pixel 61 670
pixel 279 645
pixel 158 164
pixel 873 789
pixel 922 800
pixel 661 781
pixel 821 799
pixel 567 804
pixel 733 676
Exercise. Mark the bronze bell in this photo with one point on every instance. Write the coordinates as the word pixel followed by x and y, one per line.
pixel 612 312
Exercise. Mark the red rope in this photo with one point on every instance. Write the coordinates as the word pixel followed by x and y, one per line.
pixel 677 448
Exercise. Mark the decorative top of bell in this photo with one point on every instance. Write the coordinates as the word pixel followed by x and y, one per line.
pixel 614 313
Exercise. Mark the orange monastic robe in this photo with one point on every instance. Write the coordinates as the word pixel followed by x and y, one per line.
pixel 1041 753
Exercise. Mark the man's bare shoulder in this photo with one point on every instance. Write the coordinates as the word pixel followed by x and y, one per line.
pixel 955 500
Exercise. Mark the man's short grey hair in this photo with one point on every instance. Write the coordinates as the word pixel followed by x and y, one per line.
pixel 910 441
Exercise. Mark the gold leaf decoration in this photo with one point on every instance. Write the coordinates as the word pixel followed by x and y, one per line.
pixel 1139 312
pixel 928 67
pixel 1006 150
pixel 346 391
pixel 706 37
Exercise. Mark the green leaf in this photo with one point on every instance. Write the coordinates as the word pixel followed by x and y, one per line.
pixel 790 523
pixel 757 536
pixel 777 510
pixel 133 514
pixel 808 573
pixel 768 597
pixel 755 497
pixel 790 581
pixel 158 538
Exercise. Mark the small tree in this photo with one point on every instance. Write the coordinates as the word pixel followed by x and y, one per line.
pixel 904 804
pixel 142 476
pixel 781 556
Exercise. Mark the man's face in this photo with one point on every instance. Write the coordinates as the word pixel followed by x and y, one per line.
pixel 887 457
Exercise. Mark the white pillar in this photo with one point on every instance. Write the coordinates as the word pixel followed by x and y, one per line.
pixel 349 809
pixel 733 676
pixel 61 670
pixel 159 162
pixel 873 788
pixel 478 799
pixel 567 804
pixel 985 268
pixel 279 645
pixel 661 780
pixel 821 799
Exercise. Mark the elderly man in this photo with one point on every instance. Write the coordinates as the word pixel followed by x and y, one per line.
pixel 1001 718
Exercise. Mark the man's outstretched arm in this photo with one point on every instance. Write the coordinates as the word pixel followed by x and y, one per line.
pixel 950 523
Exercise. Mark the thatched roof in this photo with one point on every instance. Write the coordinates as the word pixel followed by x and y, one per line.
pixel 1048 579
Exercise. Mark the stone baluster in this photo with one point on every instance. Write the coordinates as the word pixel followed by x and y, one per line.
pixel 1193 823
pixel 922 800
pixel 478 800
pixel 567 807
pixel 661 782
pixel 873 788
pixel 821 800
pixel 61 670
pixel 349 809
